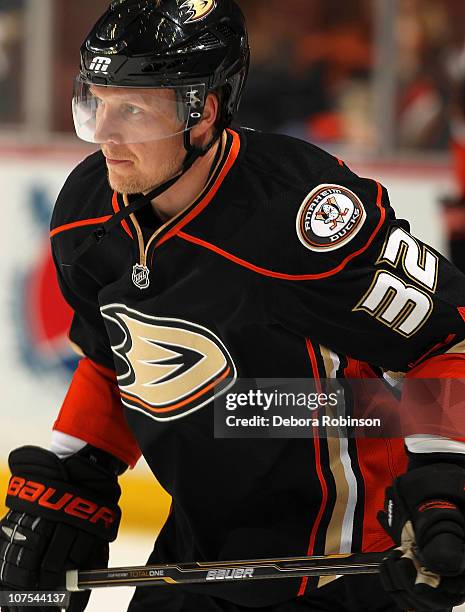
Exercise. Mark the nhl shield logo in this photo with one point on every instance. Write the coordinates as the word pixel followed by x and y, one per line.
pixel 329 218
pixel 140 276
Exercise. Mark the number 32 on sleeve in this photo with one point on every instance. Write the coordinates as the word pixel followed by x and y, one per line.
pixel 402 306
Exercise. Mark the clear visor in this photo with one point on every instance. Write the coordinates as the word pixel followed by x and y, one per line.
pixel 124 115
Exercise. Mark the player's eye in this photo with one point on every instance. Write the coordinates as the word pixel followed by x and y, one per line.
pixel 130 110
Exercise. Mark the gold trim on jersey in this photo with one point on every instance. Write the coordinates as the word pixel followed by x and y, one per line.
pixel 457 348
pixel 334 532
pixel 144 248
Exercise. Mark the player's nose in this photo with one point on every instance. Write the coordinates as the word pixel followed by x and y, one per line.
pixel 106 130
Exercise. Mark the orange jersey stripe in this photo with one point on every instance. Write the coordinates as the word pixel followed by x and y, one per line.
pixel 74 224
pixel 447 365
pixel 114 203
pixel 92 411
pixel 324 486
pixel 433 349
pixel 379 461
pixel 179 404
pixel 291 277
pixel 232 157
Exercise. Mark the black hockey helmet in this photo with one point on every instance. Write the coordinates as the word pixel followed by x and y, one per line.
pixel 190 46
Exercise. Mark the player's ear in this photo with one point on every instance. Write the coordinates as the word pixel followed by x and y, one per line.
pixel 206 126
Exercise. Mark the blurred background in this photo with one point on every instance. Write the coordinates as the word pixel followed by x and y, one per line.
pixel 379 83
pixel 377 75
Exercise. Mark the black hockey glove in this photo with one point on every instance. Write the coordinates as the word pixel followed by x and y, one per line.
pixel 425 516
pixel 63 514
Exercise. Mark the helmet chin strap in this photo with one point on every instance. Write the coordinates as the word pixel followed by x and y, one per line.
pixel 194 152
pixel 98 234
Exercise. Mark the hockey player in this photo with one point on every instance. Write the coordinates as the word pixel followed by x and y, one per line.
pixel 193 254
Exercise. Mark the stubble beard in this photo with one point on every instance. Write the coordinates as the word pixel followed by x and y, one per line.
pixel 140 183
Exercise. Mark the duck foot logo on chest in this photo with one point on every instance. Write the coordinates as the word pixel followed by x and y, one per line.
pixel 166 368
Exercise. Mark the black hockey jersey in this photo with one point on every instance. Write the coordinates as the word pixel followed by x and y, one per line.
pixel 287 265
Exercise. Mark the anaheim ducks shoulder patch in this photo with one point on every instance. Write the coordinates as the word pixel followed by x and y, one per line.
pixel 330 217
pixel 166 368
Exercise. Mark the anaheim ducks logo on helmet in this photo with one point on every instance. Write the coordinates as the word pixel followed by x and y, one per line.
pixel 197 9
pixel 166 368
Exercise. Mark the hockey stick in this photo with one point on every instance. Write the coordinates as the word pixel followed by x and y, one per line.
pixel 225 571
